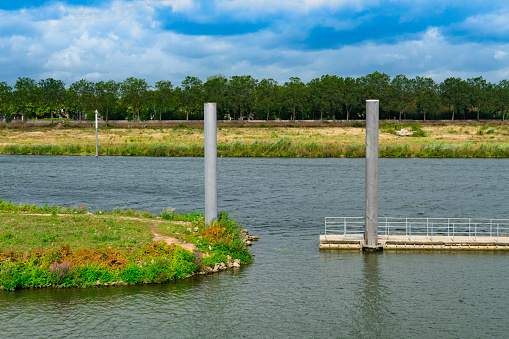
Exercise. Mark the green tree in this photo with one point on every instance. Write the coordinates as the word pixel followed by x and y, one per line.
pixel 352 96
pixel 333 87
pixel 25 94
pixel 52 93
pixel 295 95
pixel 377 86
pixel 85 100
pixel 317 96
pixel 402 98
pixel 5 100
pixel 107 94
pixel 133 92
pixel 163 96
pixel 71 102
pixel 426 95
pixel 478 93
pixel 216 90
pixel 454 93
pixel 502 97
pixel 266 95
pixel 191 94
pixel 241 93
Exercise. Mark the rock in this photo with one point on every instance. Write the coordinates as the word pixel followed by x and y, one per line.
pixel 248 243
pixel 228 258
pixel 189 229
pixel 217 266
pixel 236 263
pixel 404 132
pixel 196 229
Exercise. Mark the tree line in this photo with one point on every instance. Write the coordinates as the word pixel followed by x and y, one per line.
pixel 329 97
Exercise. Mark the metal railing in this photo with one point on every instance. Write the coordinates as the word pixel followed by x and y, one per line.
pixel 353 227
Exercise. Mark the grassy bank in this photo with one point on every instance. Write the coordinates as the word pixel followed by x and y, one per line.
pixel 473 140
pixel 51 246
pixel 282 148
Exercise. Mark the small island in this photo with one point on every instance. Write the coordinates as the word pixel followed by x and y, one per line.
pixel 53 246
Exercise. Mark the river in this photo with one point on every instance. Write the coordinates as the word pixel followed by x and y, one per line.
pixel 292 289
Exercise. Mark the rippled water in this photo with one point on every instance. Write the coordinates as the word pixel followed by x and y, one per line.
pixel 292 290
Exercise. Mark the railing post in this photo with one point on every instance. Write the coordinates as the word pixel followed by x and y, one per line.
pixel 372 130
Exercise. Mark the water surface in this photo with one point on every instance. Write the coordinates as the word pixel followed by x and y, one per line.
pixel 293 289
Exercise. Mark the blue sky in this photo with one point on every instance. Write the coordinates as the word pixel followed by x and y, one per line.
pixel 170 39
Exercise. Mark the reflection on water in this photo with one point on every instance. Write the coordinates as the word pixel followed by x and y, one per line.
pixel 371 299
pixel 292 290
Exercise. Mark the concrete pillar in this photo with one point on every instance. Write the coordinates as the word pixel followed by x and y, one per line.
pixel 371 233
pixel 210 132
pixel 96 136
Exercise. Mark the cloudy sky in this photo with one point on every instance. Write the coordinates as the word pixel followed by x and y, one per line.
pixel 170 39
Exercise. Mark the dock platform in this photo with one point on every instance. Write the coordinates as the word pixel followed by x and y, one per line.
pixel 346 233
pixel 418 242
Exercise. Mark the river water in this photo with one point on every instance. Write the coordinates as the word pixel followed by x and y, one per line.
pixel 292 289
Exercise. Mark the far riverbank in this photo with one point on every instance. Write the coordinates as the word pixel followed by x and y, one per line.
pixel 261 139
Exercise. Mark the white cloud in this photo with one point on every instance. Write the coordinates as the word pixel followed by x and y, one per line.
pixel 489 24
pixel 256 8
pixel 499 55
pixel 176 5
pixel 125 39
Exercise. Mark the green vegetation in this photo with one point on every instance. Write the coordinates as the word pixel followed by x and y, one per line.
pixel 471 140
pixel 392 128
pixel 282 148
pixel 52 246
pixel 329 97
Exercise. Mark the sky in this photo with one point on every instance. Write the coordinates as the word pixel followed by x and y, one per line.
pixel 171 39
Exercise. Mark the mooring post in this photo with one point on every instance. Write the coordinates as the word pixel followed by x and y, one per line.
pixel 210 135
pixel 371 232
pixel 96 137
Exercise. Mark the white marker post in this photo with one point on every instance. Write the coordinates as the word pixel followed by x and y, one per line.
pixel 210 136
pixel 96 136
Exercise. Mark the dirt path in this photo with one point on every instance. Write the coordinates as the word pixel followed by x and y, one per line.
pixel 172 240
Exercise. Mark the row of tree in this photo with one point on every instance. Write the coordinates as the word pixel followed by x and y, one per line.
pixel 329 97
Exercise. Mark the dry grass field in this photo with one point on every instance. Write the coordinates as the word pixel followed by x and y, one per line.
pixel 496 134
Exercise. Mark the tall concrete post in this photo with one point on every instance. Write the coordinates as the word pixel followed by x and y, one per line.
pixel 96 136
pixel 371 233
pixel 210 133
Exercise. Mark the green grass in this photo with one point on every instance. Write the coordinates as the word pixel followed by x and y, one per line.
pixel 284 147
pixel 69 247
